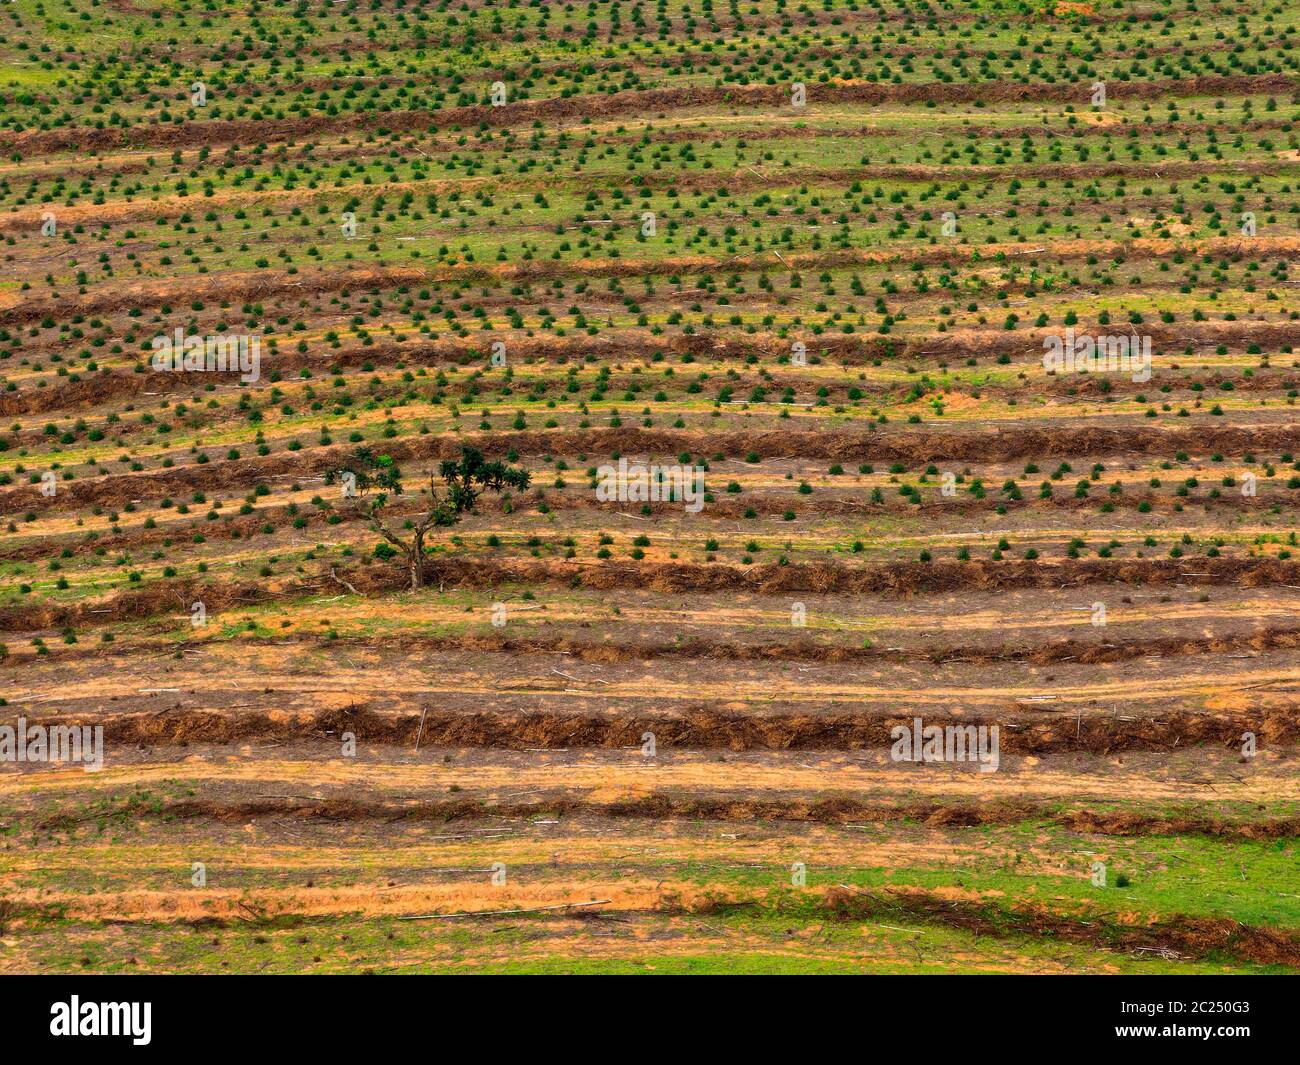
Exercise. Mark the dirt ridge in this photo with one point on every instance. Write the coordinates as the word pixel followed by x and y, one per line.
pixel 838 810
pixel 695 728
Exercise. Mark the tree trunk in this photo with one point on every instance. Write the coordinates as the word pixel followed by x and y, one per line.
pixel 415 561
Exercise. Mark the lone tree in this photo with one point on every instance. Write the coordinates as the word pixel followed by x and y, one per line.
pixel 371 480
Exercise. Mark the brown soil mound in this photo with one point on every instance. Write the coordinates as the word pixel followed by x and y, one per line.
pixel 696 728
pixel 661 806
pixel 896 578
pixel 1084 652
pixel 1182 936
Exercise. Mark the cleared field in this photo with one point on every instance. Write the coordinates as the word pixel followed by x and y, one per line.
pixel 804 267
